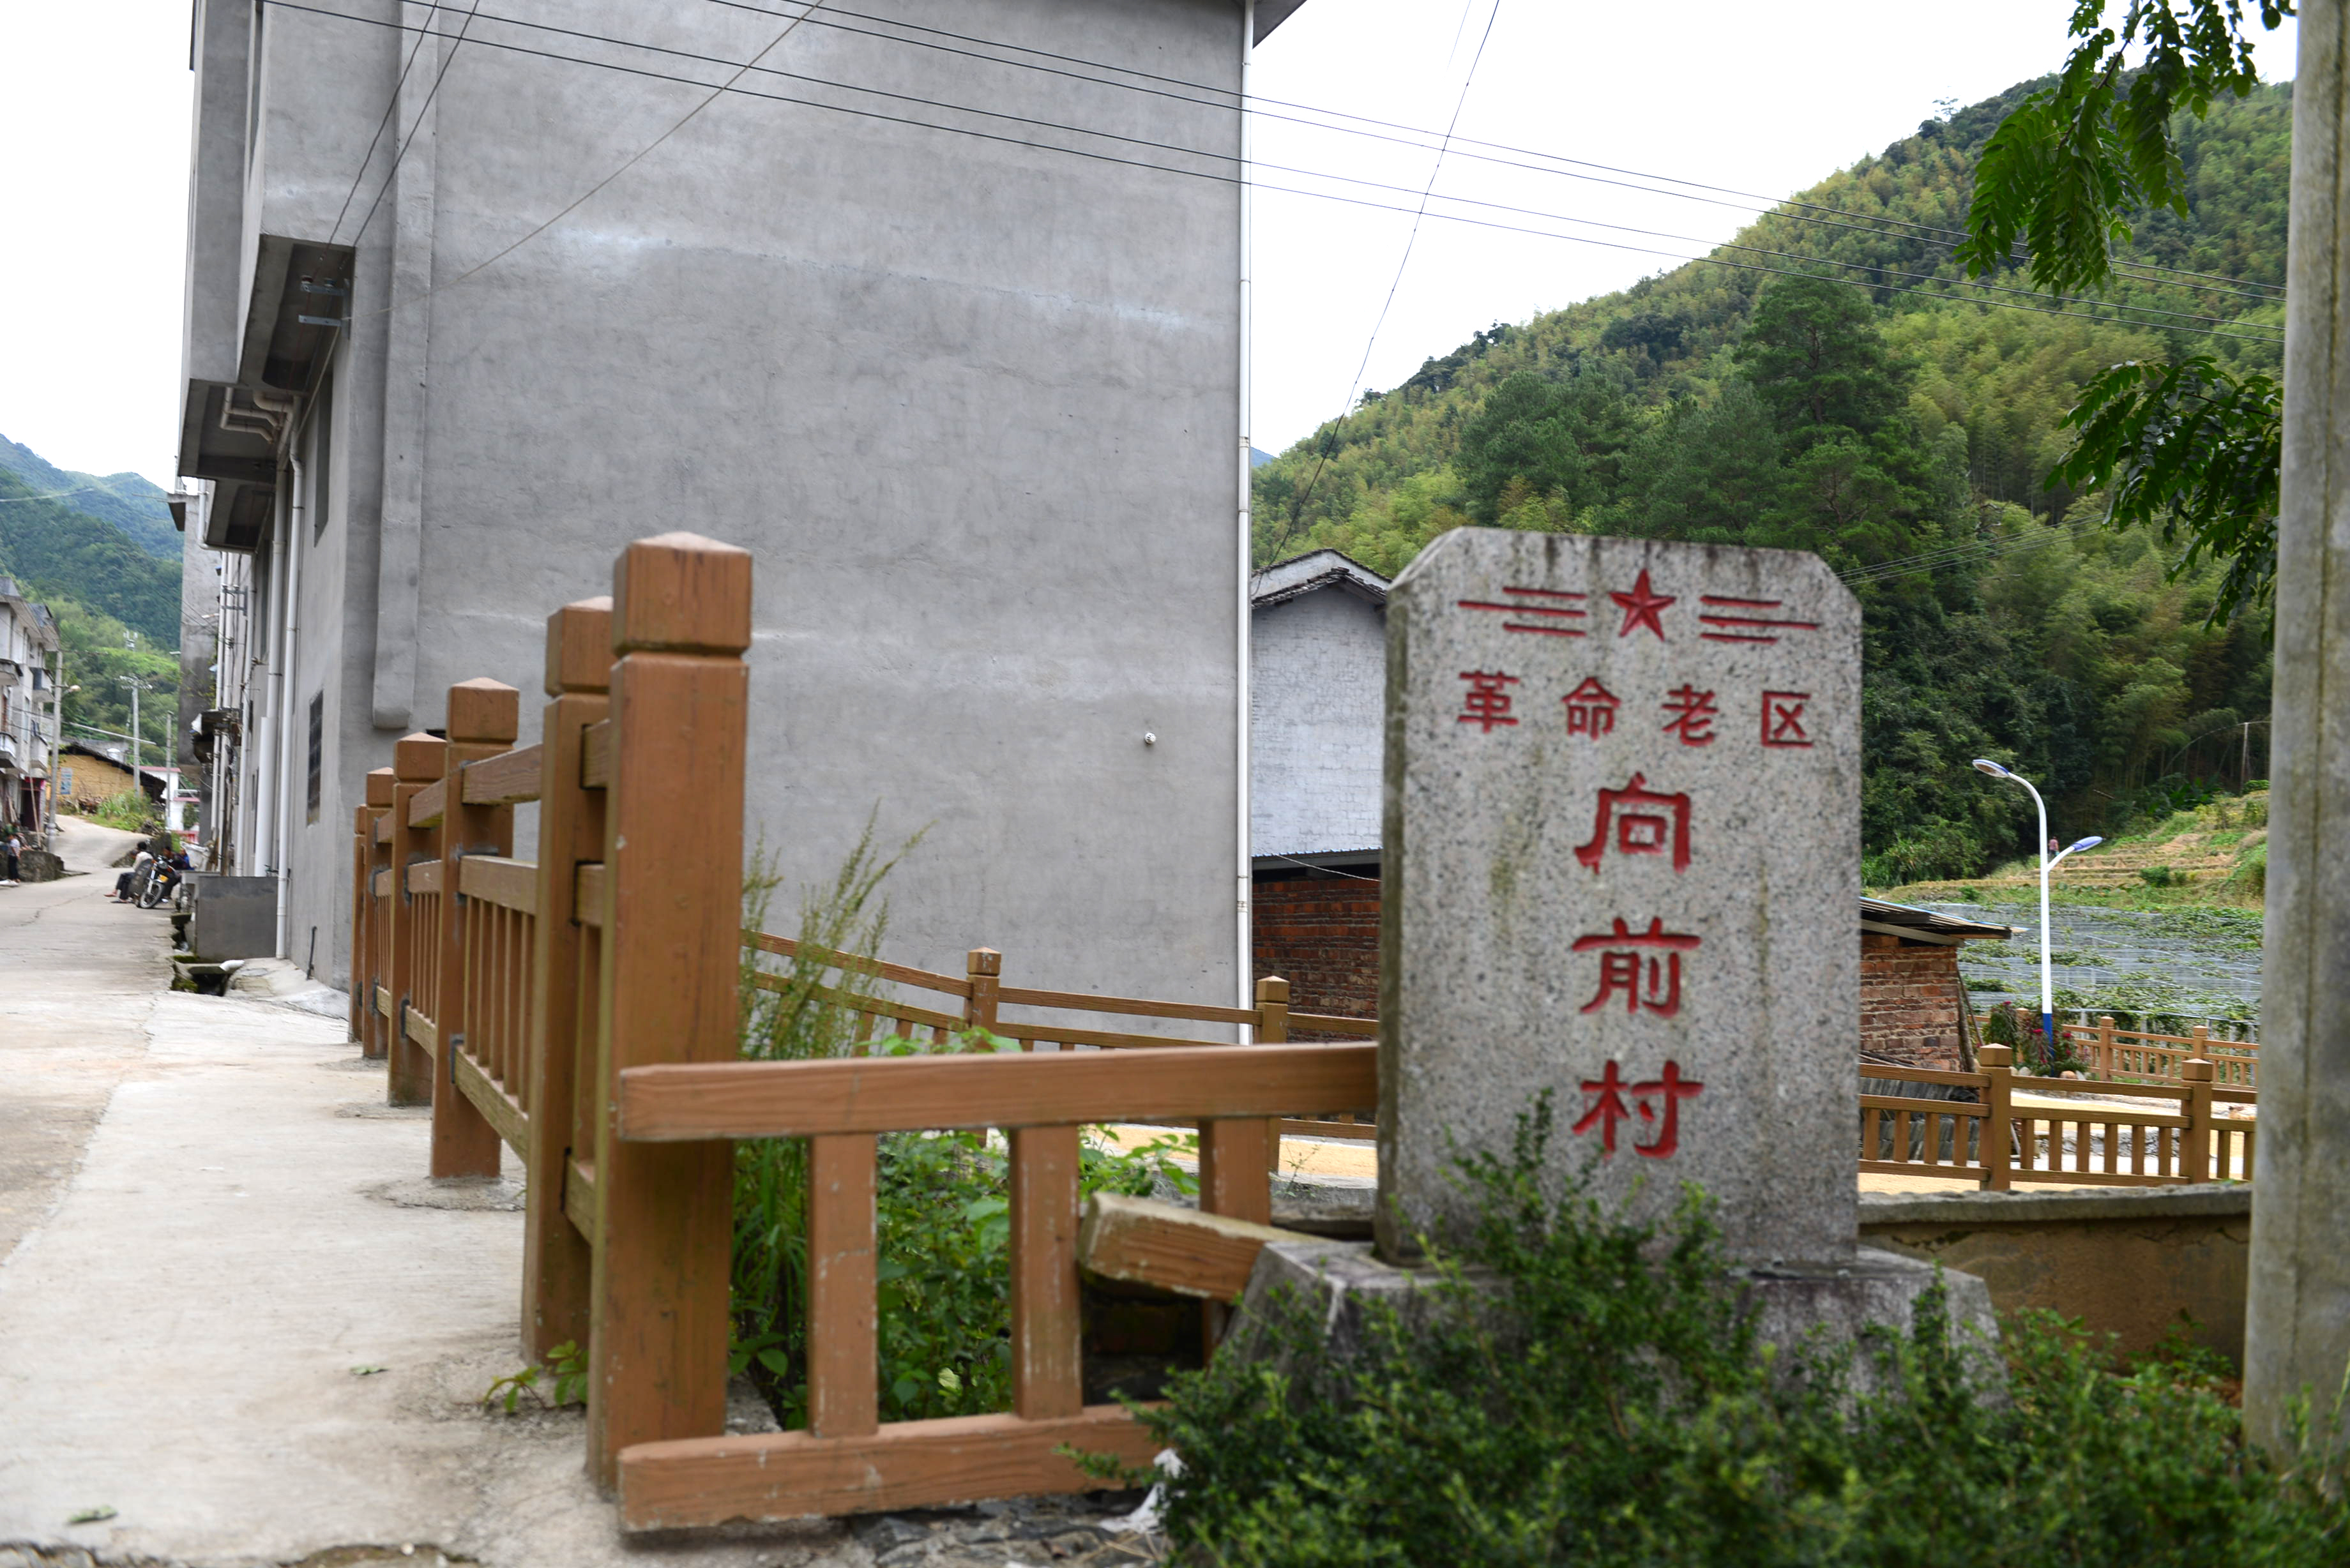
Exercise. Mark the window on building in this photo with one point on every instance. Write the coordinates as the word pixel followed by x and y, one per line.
pixel 317 748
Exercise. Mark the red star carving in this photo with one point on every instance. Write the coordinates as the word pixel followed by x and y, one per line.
pixel 1641 606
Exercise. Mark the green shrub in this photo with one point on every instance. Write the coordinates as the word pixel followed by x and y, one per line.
pixel 129 811
pixel 1620 1412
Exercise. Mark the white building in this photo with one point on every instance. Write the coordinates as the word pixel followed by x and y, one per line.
pixel 29 707
pixel 944 318
pixel 1317 685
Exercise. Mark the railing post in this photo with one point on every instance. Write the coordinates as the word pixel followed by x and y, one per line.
pixel 483 719
pixel 1998 1101
pixel 2195 1138
pixel 983 967
pixel 374 963
pixel 415 764
pixel 1236 1155
pixel 556 1262
pixel 1047 1313
pixel 843 1377
pixel 1272 1029
pixel 362 856
pixel 672 936
pixel 2105 1046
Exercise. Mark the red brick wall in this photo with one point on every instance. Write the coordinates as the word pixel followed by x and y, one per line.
pixel 1909 1002
pixel 1321 935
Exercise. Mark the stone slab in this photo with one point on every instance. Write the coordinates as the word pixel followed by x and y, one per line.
pixel 1871 1288
pixel 1622 842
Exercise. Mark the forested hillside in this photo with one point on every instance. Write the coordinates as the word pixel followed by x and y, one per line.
pixel 129 501
pixel 71 554
pixel 102 583
pixel 1903 428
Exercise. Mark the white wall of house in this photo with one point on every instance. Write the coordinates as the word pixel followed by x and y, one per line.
pixel 1317 685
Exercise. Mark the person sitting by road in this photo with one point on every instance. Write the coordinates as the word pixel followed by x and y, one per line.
pixel 10 848
pixel 124 883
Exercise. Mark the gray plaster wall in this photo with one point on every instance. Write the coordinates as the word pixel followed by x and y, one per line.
pixel 1318 688
pixel 973 405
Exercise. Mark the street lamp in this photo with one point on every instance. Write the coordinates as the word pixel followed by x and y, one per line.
pixel 2047 864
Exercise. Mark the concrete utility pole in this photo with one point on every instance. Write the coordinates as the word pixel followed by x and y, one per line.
pixel 2297 1328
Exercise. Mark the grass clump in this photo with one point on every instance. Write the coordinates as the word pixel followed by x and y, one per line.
pixel 1604 1402
pixel 942 1200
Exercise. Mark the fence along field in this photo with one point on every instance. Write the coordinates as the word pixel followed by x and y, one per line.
pixel 580 1008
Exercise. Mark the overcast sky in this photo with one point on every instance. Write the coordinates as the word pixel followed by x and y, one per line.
pixel 94 113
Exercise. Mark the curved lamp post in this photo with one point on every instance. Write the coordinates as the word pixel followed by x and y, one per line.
pixel 2047 864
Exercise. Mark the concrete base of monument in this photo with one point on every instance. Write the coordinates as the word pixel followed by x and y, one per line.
pixel 1830 1304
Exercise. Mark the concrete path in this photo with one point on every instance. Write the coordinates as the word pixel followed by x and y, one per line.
pixel 200 1246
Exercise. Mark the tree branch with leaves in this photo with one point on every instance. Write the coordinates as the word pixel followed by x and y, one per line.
pixel 2190 449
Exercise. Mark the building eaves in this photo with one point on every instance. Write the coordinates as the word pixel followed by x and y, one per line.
pixel 1886 918
pixel 1310 573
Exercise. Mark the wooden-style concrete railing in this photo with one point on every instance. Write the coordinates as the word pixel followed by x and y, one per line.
pixel 573 1007
pixel 2032 1129
pixel 2139 1056
pixel 848 1460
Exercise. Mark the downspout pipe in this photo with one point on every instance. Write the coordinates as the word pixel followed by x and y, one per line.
pixel 292 622
pixel 1244 872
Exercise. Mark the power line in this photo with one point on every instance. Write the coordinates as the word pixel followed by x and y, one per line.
pixel 421 110
pixel 641 154
pixel 1770 206
pixel 1963 553
pixel 1257 102
pixel 390 105
pixel 731 86
pixel 56 494
pixel 1298 508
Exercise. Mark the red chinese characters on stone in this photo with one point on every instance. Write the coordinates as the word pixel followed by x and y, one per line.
pixel 1488 702
pixel 1742 621
pixel 1657 1102
pixel 1643 822
pixel 1692 714
pixel 1555 607
pixel 1782 718
pixel 1590 709
pixel 1624 954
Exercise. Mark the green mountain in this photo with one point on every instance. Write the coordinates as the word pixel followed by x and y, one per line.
pixel 1901 421
pixel 129 501
pixel 64 552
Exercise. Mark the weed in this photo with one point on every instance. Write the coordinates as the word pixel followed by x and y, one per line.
pixel 561 1380
pixel 941 1209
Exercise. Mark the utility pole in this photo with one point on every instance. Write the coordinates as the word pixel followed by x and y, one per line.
pixel 2297 1310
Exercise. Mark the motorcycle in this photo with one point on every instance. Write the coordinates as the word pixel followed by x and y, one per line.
pixel 160 881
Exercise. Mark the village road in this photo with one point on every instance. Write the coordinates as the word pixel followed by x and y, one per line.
pixel 78 976
pixel 224 1315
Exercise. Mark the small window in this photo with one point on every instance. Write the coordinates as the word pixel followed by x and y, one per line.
pixel 317 748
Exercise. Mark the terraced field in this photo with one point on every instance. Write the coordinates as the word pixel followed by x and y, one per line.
pixel 2166 922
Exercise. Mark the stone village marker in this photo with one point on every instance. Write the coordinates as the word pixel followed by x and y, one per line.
pixel 1623 845
pixel 1622 856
